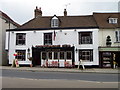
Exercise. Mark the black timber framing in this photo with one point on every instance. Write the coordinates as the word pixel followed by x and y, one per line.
pixel 36 50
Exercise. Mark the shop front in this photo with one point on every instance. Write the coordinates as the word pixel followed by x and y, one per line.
pixel 53 55
pixel 109 57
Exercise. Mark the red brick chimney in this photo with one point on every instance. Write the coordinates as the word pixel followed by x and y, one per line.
pixel 37 12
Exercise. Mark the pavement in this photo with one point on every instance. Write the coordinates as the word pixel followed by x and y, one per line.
pixel 71 70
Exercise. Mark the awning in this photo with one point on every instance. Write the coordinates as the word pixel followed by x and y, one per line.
pixel 109 48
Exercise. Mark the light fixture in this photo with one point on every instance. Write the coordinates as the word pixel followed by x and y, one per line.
pixel 34 31
pixel 12 32
pixel 60 30
pixel 75 30
pixel 28 54
pixel 76 50
pixel 28 49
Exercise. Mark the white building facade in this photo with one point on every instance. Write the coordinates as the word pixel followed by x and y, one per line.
pixel 60 41
pixel 5 23
pixel 62 37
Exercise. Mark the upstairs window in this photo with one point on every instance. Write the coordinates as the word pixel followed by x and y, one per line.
pixel 54 22
pixel 117 35
pixel 47 38
pixel 85 37
pixel 20 38
pixel 113 20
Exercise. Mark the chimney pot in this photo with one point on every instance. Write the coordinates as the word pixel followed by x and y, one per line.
pixel 65 12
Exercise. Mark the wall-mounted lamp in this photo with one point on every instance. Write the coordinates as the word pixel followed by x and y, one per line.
pixel 28 54
pixel 65 33
pixel 34 31
pixel 60 30
pixel 12 32
pixel 76 50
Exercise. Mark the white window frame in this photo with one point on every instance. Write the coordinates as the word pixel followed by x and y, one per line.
pixel 54 22
pixel 19 56
pixel 117 35
pixel 113 20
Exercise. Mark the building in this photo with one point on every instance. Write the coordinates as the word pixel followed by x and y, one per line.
pixel 109 29
pixel 5 23
pixel 52 40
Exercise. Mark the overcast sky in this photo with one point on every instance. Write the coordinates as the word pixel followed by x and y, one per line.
pixel 22 11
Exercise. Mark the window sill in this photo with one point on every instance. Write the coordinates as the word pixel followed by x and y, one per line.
pixel 116 42
pixel 21 45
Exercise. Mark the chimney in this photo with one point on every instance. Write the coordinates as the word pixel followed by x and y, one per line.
pixel 37 12
pixel 65 12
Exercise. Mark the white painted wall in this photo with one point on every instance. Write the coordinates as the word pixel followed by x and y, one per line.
pixel 103 33
pixel 62 37
pixel 3 27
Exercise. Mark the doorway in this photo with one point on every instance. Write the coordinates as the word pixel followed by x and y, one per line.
pixel 117 58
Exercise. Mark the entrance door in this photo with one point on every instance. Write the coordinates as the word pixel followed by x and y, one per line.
pixel 69 57
pixel 43 58
pixel 117 58
pixel 61 58
pixel 37 58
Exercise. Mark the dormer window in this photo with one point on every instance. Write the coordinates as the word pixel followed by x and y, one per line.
pixel 54 22
pixel 113 20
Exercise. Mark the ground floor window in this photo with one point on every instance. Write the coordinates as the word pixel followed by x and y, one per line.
pixel 62 55
pixel 21 54
pixel 69 55
pixel 57 55
pixel 86 55
pixel 44 55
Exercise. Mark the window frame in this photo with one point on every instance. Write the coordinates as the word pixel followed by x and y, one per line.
pixel 84 40
pixel 62 54
pixel 54 22
pixel 17 57
pixel 113 20
pixel 55 56
pixel 117 36
pixel 70 55
pixel 90 56
pixel 47 41
pixel 23 40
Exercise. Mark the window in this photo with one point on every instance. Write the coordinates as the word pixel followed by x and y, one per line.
pixel 44 55
pixel 86 55
pixel 20 38
pixel 85 37
pixel 50 55
pixel 62 55
pixel 47 38
pixel 117 35
pixel 55 55
pixel 69 55
pixel 54 22
pixel 113 20
pixel 21 54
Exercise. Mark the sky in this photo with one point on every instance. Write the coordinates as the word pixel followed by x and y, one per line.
pixel 22 11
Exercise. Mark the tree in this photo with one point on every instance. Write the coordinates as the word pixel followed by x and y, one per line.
pixel 108 41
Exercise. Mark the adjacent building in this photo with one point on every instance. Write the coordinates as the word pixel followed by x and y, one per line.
pixel 49 40
pixel 5 23
pixel 109 38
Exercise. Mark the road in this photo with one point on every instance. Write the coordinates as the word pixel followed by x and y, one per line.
pixel 25 79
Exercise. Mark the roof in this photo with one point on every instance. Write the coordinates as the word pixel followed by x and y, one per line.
pixel 6 17
pixel 102 20
pixel 65 21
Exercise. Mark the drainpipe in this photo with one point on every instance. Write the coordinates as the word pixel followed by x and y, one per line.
pixel 8 40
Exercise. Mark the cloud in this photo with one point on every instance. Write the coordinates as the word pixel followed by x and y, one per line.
pixel 23 10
